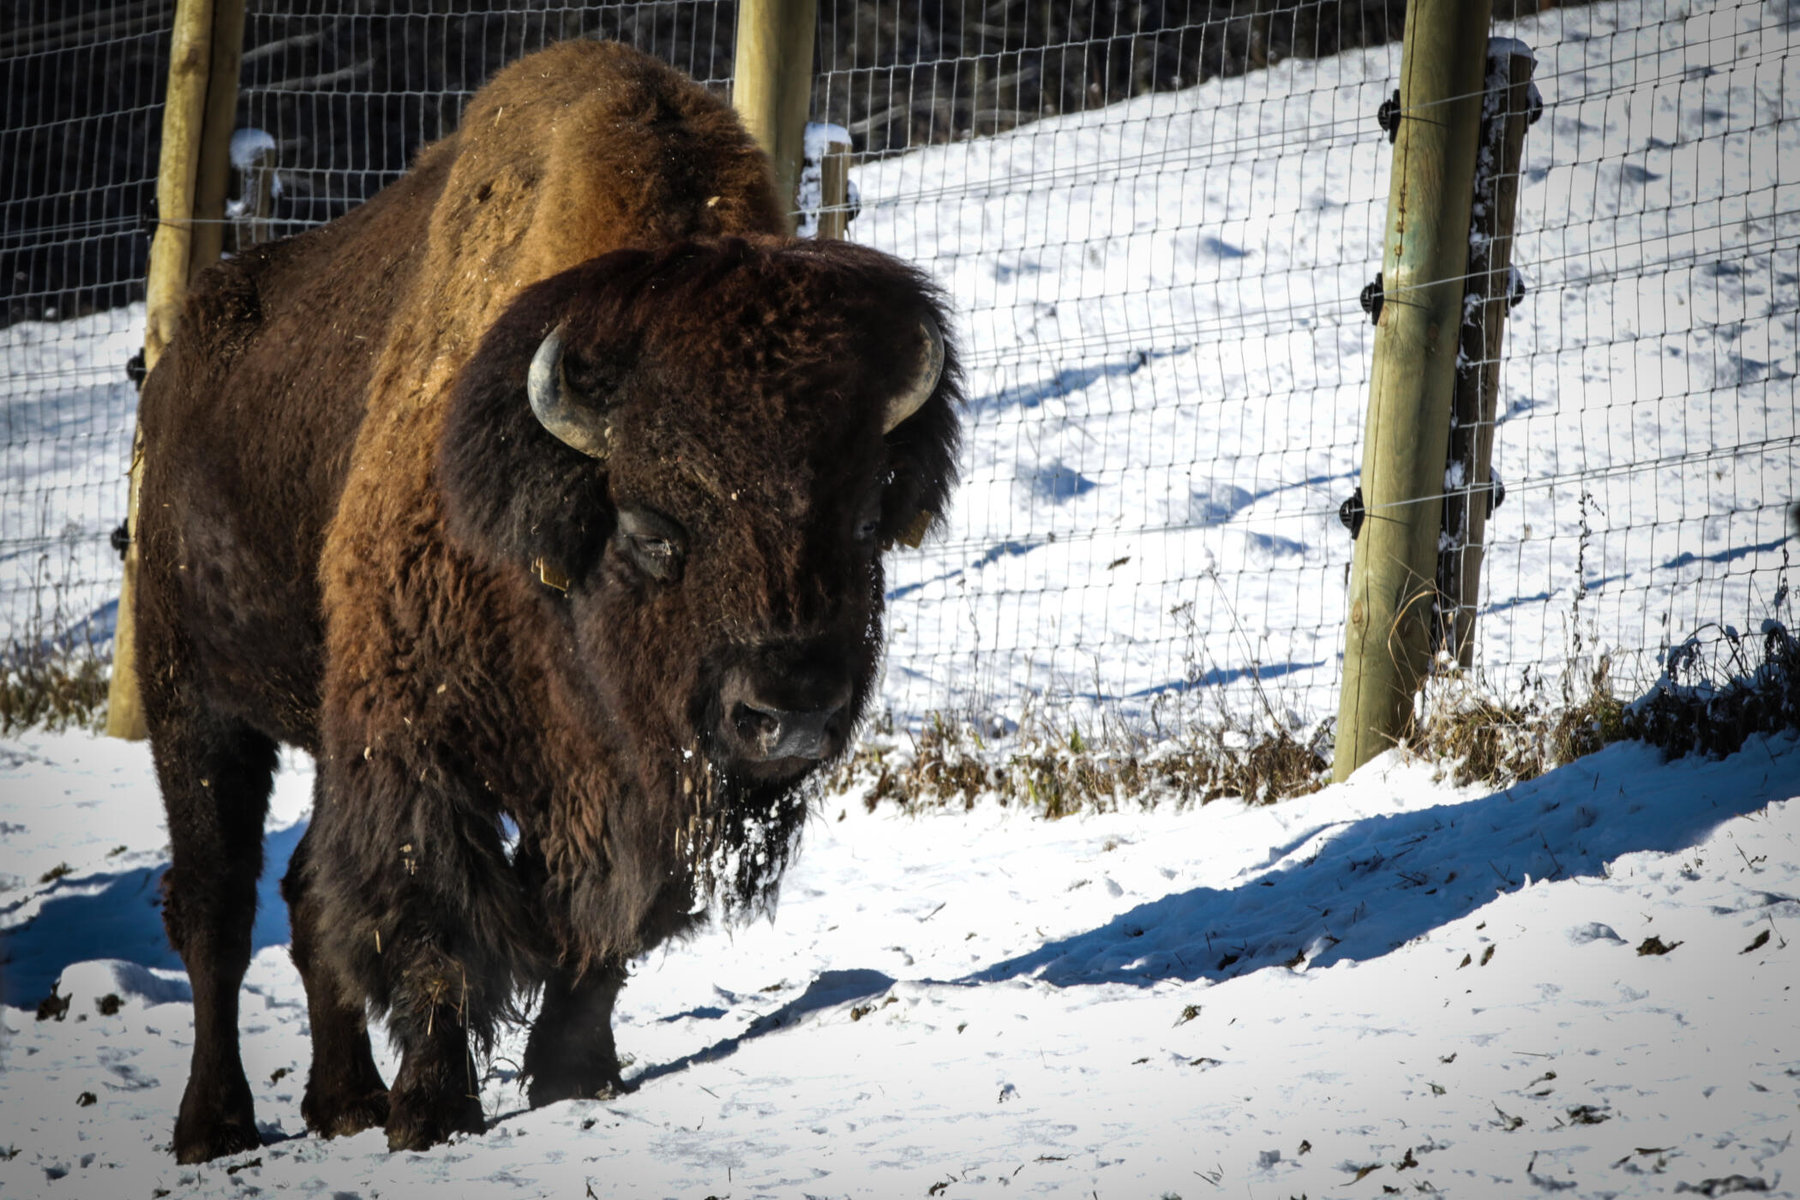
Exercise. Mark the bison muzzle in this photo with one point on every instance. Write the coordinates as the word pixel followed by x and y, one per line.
pixel 543 500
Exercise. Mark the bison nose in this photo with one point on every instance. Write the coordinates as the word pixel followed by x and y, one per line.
pixel 773 733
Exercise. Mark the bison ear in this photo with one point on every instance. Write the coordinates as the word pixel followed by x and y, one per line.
pixel 516 491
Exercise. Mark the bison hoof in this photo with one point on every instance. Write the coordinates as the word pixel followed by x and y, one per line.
pixel 341 1116
pixel 208 1131
pixel 552 1089
pixel 418 1123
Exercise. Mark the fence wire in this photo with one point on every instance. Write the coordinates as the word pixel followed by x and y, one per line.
pixel 1154 223
pixel 83 87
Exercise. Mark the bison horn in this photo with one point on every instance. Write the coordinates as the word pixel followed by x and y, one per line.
pixel 931 365
pixel 576 424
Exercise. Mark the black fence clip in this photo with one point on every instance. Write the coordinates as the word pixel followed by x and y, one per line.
pixel 1350 512
pixel 134 370
pixel 1371 300
pixel 1496 492
pixel 1515 292
pixel 121 538
pixel 1388 115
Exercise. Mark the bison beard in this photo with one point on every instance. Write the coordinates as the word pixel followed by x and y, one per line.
pixel 549 487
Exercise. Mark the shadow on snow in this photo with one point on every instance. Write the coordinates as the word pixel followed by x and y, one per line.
pixel 829 990
pixel 1356 890
pixel 1334 891
pixel 119 915
pixel 1353 890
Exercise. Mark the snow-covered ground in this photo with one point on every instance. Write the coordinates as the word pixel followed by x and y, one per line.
pixel 1391 984
pixel 1446 989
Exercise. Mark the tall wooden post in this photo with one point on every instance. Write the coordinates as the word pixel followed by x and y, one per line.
pixel 1393 573
pixel 212 174
pixel 773 86
pixel 198 114
pixel 1509 107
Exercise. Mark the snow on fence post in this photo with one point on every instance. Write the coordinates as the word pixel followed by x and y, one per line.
pixel 253 164
pixel 1393 574
pixel 825 199
pixel 772 84
pixel 1471 495
pixel 204 54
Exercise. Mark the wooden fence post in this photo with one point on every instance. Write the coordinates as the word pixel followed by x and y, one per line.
pixel 1471 494
pixel 772 89
pixel 834 182
pixel 198 113
pixel 1393 576
pixel 212 173
pixel 253 226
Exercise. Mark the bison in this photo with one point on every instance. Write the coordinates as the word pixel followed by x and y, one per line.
pixel 542 499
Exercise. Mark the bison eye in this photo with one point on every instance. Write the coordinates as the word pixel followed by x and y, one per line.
pixel 655 550
pixel 655 544
pixel 868 521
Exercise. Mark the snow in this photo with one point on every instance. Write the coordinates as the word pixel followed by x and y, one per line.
pixel 1445 985
pixel 248 146
pixel 1391 983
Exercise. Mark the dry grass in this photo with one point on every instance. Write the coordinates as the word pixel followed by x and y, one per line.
pixel 1057 773
pixel 1477 738
pixel 52 674
pixel 1481 739
pixel 1717 689
pixel 1716 693
pixel 52 689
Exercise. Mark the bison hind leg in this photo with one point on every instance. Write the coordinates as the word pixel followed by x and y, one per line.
pixel 215 775
pixel 571 1054
pixel 344 1091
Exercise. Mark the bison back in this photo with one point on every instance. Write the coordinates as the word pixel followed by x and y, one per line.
pixel 298 360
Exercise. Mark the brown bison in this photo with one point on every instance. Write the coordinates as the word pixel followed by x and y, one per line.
pixel 542 499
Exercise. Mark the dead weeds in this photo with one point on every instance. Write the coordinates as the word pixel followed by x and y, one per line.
pixel 1481 739
pixel 51 689
pixel 950 763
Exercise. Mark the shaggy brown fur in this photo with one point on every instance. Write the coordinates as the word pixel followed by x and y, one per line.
pixel 346 498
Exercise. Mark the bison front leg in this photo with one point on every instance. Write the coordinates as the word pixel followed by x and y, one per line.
pixel 571 1054
pixel 418 913
pixel 437 1092
pixel 435 1000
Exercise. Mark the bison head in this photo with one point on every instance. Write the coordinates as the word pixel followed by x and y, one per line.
pixel 700 453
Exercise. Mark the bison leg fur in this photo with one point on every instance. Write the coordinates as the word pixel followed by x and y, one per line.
pixel 436 1092
pixel 414 909
pixel 344 1091
pixel 215 777
pixel 571 1054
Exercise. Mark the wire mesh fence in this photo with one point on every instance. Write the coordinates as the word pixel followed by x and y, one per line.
pixel 83 87
pixel 1154 222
